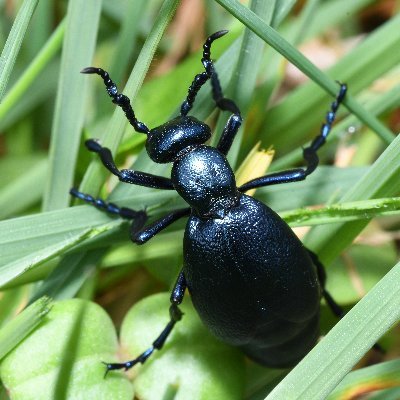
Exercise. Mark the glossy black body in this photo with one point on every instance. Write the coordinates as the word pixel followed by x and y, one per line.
pixel 251 280
pixel 253 283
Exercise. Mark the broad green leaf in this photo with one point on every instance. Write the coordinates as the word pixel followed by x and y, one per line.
pixel 32 370
pixel 192 351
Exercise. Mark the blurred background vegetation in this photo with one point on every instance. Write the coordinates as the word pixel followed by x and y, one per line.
pixel 152 51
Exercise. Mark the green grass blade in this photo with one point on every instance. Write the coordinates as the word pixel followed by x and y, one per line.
pixel 67 278
pixel 306 17
pixel 329 362
pixel 42 91
pixel 332 13
pixel 301 113
pixel 47 234
pixel 42 26
pixel 269 35
pixel 10 271
pixel 78 48
pixel 125 46
pixel 388 394
pixel 245 74
pixel 34 69
pixel 380 181
pixel 115 129
pixel 250 54
pixel 376 106
pixel 10 304
pixel 24 191
pixel 342 212
pixel 14 41
pixel 369 379
pixel 20 327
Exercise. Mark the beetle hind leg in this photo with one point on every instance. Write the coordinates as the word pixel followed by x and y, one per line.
pixel 335 307
pixel 175 315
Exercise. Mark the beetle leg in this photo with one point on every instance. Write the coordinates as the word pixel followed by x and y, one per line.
pixel 127 175
pixel 175 315
pixel 224 104
pixel 142 235
pixel 229 133
pixel 119 99
pixel 335 308
pixel 111 208
pixel 309 153
pixel 139 233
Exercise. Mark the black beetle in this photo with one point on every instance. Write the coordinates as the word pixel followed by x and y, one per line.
pixel 251 280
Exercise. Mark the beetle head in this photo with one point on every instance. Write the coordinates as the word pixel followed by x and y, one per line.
pixel 166 141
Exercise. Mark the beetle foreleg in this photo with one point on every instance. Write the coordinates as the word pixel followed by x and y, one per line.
pixel 229 133
pixel 142 235
pixel 175 315
pixel 309 153
pixel 128 175
pixel 224 104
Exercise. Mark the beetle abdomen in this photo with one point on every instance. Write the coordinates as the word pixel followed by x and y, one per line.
pixel 270 293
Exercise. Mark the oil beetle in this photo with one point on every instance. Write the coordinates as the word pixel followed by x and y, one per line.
pixel 251 280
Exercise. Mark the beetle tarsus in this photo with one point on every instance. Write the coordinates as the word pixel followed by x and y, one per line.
pixel 175 316
pixel 111 208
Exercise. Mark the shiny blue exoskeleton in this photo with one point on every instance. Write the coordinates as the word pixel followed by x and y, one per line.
pixel 251 280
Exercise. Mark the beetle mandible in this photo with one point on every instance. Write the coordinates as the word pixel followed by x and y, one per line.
pixel 251 280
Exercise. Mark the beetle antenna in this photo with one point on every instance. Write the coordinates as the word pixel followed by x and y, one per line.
pixel 119 99
pixel 200 79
